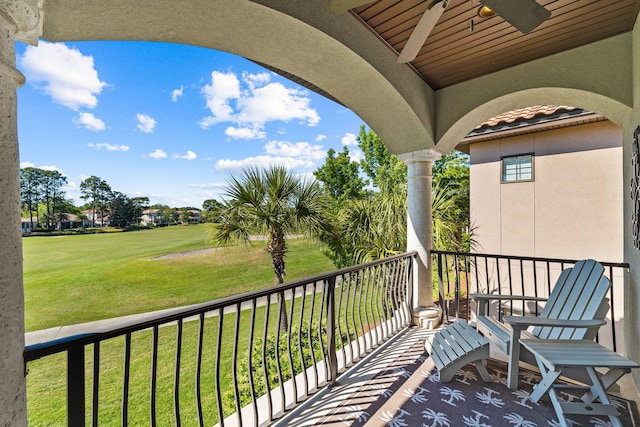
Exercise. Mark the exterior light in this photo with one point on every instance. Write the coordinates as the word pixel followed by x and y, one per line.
pixel 485 12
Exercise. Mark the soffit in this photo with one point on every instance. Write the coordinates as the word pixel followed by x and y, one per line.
pixel 454 53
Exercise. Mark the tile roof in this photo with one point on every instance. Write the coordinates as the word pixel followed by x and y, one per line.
pixel 536 118
pixel 528 113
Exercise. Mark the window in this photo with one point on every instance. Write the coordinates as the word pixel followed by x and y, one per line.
pixel 517 168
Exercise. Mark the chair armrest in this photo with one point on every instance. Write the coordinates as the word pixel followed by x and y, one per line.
pixel 523 322
pixel 489 297
pixel 484 299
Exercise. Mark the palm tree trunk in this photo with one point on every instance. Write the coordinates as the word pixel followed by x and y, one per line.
pixel 277 248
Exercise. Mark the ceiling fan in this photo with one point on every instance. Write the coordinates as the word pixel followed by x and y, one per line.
pixel 524 15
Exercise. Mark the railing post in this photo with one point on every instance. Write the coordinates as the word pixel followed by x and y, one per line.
pixel 331 328
pixel 445 306
pixel 75 386
pixel 409 287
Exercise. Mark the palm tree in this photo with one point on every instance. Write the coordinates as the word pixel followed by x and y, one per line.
pixel 445 224
pixel 377 226
pixel 272 203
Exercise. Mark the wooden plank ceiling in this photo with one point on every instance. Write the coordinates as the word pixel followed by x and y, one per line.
pixel 454 52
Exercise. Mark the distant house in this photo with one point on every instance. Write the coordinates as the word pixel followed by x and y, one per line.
pixel 194 216
pixel 197 216
pixel 95 217
pixel 69 221
pixel 547 181
pixel 152 217
pixel 27 226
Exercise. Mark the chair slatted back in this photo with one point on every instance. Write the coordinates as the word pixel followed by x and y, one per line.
pixel 579 294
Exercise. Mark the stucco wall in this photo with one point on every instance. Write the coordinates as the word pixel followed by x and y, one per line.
pixel 572 208
pixel 631 254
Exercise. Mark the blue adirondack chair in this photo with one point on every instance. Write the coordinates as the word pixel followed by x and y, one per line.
pixel 576 308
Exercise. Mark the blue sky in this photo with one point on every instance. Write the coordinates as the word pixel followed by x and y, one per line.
pixel 169 122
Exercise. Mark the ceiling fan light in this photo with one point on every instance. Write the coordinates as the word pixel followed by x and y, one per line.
pixel 524 15
pixel 485 12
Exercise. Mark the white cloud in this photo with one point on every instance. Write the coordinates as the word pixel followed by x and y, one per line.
pixel 51 168
pixel 256 80
pixel 254 101
pixel 63 73
pixel 223 88
pixel 260 162
pixel 89 121
pixel 108 147
pixel 177 93
pixel 276 102
pixel 190 155
pixel 299 149
pixel 307 176
pixel 356 155
pixel 349 139
pixel 321 138
pixel 290 154
pixel 207 185
pixel 157 154
pixel 245 133
pixel 43 167
pixel 145 123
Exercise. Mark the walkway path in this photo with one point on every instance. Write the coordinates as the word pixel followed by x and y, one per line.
pixel 59 332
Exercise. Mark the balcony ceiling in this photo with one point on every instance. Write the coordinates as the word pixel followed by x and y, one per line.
pixel 453 53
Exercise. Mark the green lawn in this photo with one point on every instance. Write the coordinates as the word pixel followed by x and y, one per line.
pixel 76 279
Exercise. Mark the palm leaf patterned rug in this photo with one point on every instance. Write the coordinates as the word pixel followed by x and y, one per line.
pixel 408 393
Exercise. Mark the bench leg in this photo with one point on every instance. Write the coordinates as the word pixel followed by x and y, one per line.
pixel 607 380
pixel 596 392
pixel 545 385
pixel 514 358
pixel 447 374
pixel 482 370
pixel 557 407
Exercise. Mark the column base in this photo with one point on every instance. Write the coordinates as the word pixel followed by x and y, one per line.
pixel 427 317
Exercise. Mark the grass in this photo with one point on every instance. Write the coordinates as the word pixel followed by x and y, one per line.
pixel 74 279
pixel 77 279
pixel 46 380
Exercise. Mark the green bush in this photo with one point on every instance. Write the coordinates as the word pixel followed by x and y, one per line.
pixel 306 350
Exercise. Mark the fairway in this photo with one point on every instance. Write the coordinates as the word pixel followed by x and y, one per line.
pixel 81 278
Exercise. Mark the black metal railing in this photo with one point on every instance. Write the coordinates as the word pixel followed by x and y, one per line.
pixel 242 360
pixel 460 274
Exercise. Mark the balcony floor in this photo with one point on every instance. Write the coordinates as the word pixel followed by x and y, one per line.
pixel 396 386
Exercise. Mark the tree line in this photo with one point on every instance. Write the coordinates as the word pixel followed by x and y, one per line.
pixel 42 196
pixel 39 187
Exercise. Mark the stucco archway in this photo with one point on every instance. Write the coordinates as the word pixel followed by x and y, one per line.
pixel 324 49
pixel 614 110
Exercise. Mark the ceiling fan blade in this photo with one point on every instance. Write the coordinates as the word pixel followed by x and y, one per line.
pixel 524 15
pixel 420 34
pixel 341 6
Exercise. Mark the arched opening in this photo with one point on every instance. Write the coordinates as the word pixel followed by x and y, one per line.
pixel 323 49
pixel 547 182
pixel 165 121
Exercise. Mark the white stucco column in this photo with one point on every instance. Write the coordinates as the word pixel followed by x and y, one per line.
pixel 19 20
pixel 420 233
